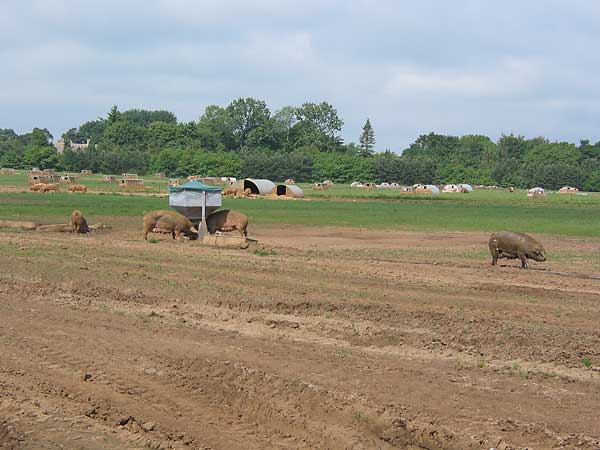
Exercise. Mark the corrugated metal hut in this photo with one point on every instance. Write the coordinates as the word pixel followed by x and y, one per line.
pixel 258 186
pixel 288 190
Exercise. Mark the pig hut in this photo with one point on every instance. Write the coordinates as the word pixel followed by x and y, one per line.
pixel 195 201
pixel 259 187
pixel 288 190
pixel 131 183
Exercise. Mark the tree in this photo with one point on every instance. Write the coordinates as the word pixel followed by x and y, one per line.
pixel 144 117
pixel 554 152
pixel 113 115
pixel 214 129
pixel 283 120
pixel 367 139
pixel 318 124
pixel 44 157
pixel 246 115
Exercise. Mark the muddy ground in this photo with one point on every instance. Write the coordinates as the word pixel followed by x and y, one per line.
pixel 316 339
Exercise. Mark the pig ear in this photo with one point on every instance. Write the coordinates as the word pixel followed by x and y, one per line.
pixel 194 230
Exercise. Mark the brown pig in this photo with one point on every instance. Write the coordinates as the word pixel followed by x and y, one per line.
pixel 510 245
pixel 170 221
pixel 227 220
pixel 78 222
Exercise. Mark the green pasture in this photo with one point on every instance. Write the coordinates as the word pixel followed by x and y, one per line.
pixel 93 182
pixel 481 211
pixel 519 197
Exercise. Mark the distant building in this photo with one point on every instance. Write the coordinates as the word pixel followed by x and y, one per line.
pixel 60 145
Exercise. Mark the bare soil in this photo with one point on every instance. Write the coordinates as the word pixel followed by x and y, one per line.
pixel 314 339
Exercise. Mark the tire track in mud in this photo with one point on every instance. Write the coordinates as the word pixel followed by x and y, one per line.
pixel 289 381
pixel 119 392
pixel 191 375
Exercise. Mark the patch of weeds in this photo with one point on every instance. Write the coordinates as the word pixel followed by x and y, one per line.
pixel 360 416
pixel 104 308
pixel 460 364
pixel 265 252
pixel 482 363
pixel 153 241
pixel 587 362
pixel 507 331
pixel 144 318
pixel 523 374
pixel 343 352
pixel 354 329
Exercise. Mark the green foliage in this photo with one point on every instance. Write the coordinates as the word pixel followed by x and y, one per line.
pixel 367 139
pixel 553 175
pixel 318 125
pixel 593 182
pixel 342 168
pixel 244 139
pixel 277 166
pixel 561 153
pixel 41 156
pixel 248 118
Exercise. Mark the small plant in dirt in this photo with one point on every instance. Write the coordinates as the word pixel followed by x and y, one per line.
pixel 343 352
pixel 482 363
pixel 360 416
pixel 153 241
pixel 460 364
pixel 103 308
pixel 587 362
pixel 523 374
pixel 265 252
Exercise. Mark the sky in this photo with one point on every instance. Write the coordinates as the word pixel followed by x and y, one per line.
pixel 453 67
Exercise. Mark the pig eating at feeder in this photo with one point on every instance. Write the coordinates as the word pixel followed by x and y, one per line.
pixel 227 220
pixel 168 221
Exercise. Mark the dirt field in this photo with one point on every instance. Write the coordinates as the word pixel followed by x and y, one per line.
pixel 318 339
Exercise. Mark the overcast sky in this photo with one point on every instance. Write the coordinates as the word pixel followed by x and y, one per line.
pixel 455 67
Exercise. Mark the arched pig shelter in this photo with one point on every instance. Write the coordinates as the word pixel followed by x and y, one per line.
pixel 259 187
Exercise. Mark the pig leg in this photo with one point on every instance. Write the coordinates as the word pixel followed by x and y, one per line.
pixel 524 264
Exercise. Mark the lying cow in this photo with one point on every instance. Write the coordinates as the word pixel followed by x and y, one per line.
pixel 169 221
pixel 510 245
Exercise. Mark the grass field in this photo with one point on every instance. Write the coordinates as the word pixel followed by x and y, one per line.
pixel 478 213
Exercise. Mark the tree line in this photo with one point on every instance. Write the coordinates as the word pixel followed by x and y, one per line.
pixel 246 139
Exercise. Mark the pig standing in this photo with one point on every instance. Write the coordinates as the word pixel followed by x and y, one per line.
pixel 510 245
pixel 170 221
pixel 227 220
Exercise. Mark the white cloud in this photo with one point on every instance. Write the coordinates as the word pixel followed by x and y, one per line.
pixel 509 78
pixel 452 67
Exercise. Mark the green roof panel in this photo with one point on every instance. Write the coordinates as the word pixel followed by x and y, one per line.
pixel 194 186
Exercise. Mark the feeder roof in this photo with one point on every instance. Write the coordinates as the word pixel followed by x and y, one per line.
pixel 194 186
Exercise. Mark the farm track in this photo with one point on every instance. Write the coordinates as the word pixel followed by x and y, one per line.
pixel 193 347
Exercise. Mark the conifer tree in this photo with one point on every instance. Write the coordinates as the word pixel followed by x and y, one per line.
pixel 367 139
